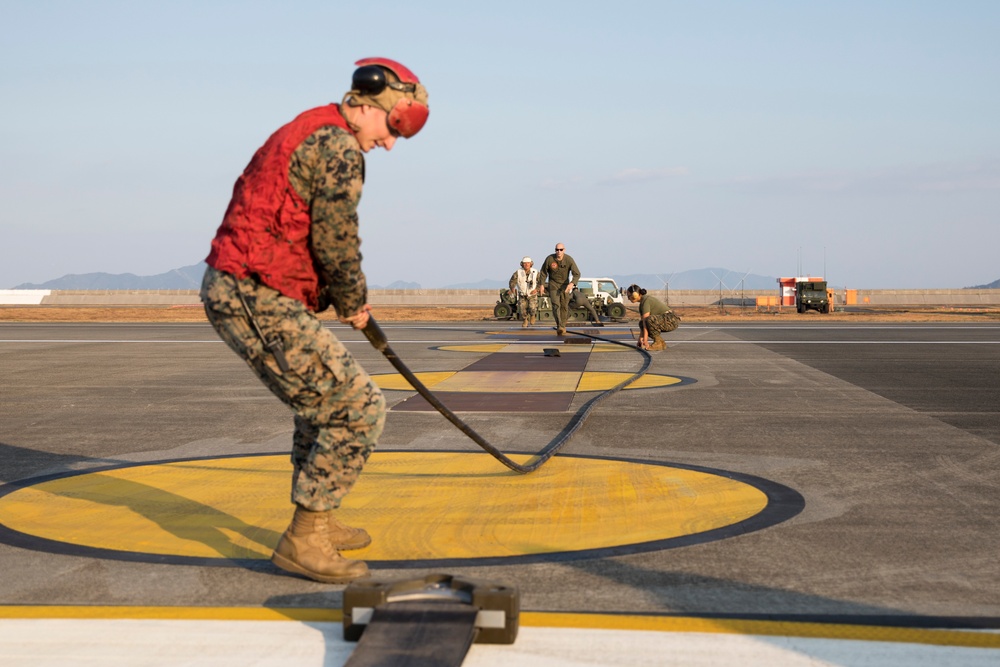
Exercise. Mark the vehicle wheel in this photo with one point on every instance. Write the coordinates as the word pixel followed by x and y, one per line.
pixel 616 311
pixel 502 311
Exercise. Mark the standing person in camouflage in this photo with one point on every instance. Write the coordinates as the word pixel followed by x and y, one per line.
pixel 558 267
pixel 655 317
pixel 288 247
pixel 524 282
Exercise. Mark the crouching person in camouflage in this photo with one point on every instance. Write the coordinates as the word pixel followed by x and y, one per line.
pixel 655 318
pixel 288 248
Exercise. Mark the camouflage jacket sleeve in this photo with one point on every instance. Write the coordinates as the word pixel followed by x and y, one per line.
pixel 513 281
pixel 327 171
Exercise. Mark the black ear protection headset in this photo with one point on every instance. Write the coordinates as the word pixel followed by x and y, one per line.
pixel 633 289
pixel 371 80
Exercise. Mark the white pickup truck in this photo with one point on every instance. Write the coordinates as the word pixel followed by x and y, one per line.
pixel 605 295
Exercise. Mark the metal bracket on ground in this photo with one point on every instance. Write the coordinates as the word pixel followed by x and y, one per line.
pixel 430 620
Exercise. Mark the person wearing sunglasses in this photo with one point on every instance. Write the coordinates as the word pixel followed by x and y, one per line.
pixel 562 273
pixel 288 248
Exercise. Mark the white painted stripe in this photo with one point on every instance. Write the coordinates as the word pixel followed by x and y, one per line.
pixel 163 643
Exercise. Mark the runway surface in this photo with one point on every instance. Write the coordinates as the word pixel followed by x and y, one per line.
pixel 769 494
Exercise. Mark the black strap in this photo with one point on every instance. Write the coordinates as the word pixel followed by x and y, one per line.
pixel 416 634
pixel 378 340
pixel 274 345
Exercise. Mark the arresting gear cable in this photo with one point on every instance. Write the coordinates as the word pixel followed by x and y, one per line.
pixel 373 332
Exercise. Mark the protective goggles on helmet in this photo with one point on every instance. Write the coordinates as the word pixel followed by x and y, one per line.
pixel 401 96
pixel 371 80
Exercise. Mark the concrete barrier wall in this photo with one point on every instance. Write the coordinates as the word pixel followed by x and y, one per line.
pixel 23 297
pixel 487 298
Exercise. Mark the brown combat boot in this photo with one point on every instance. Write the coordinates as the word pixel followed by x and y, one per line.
pixel 525 322
pixel 344 537
pixel 657 344
pixel 305 549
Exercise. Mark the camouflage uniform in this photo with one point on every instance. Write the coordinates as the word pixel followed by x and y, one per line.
pixel 661 319
pixel 339 411
pixel 527 302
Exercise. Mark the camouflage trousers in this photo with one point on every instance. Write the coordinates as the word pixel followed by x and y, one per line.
pixel 528 306
pixel 665 323
pixel 339 410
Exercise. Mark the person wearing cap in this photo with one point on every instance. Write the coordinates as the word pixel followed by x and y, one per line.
pixel 563 274
pixel 655 317
pixel 288 248
pixel 524 283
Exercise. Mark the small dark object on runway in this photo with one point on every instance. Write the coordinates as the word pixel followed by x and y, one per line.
pixel 551 352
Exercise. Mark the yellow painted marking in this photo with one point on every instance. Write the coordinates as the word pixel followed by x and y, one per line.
pixel 522 381
pixel 398 382
pixel 651 623
pixel 510 382
pixel 103 612
pixel 969 638
pixel 415 505
pixel 487 348
pixel 604 380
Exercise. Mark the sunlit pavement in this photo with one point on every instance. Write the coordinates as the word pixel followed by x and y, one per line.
pixel 764 495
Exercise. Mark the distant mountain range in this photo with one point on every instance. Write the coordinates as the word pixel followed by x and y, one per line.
pixel 189 278
pixel 185 278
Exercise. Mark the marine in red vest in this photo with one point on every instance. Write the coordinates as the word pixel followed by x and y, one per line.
pixel 290 185
pixel 287 248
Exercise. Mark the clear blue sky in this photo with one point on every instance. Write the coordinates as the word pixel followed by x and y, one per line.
pixel 862 138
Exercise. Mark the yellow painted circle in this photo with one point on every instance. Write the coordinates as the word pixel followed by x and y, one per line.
pixel 417 506
pixel 501 382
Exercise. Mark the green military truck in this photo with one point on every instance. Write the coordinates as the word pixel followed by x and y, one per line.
pixel 812 295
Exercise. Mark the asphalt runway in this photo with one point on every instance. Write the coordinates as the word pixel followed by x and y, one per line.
pixel 820 476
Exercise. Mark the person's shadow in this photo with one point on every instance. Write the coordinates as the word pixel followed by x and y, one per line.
pixel 182 517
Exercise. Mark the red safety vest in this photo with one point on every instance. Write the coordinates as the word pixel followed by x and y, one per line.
pixel 266 228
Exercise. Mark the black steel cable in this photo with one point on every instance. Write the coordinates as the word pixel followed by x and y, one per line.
pixel 373 332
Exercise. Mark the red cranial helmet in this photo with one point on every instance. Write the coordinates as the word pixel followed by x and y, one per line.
pixel 392 87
